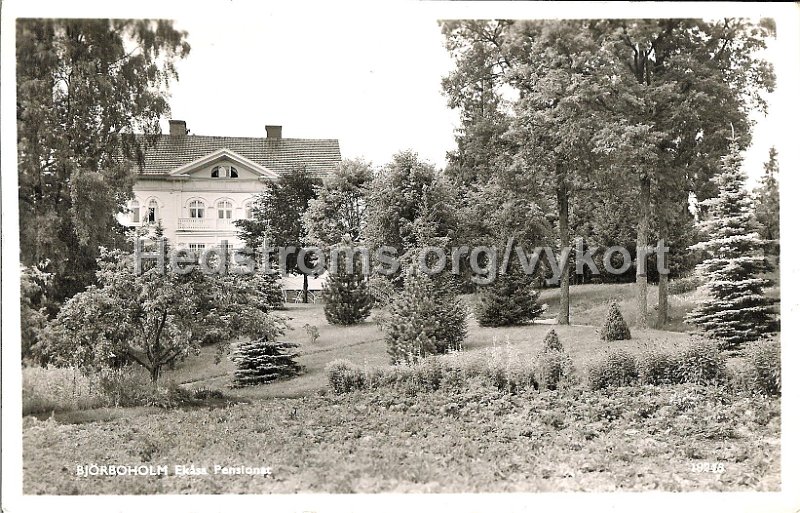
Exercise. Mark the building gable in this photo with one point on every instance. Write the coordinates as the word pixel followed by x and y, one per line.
pixel 204 166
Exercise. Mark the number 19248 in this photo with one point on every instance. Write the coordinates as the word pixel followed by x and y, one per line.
pixel 706 466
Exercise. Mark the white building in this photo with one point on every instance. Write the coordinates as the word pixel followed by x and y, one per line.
pixel 196 186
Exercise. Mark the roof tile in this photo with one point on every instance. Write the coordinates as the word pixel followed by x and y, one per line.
pixel 320 156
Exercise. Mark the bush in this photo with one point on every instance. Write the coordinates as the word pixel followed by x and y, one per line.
pixel 509 300
pixel 553 369
pixel 657 368
pixel 131 386
pixel 263 361
pixel 345 376
pixel 425 318
pixel 684 285
pixel 764 362
pixel 617 368
pixel 614 326
pixel 701 363
pixel 551 341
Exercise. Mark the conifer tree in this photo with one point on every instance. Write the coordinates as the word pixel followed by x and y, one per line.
pixel 270 294
pixel 347 298
pixel 551 342
pixel 509 300
pixel 424 318
pixel 264 360
pixel 736 310
pixel 615 327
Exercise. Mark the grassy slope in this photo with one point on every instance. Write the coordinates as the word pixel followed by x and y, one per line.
pixel 363 344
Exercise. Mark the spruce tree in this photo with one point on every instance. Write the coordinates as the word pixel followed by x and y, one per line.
pixel 509 300
pixel 424 318
pixel 551 342
pixel 736 310
pixel 614 327
pixel 346 295
pixel 263 360
pixel 270 292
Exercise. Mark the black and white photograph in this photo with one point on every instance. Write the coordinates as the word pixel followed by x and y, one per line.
pixel 434 255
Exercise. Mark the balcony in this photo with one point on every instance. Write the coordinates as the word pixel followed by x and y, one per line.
pixel 204 223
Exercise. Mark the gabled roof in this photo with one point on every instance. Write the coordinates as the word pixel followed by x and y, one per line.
pixel 170 152
pixel 220 155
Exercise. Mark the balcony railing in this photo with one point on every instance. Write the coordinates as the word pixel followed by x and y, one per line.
pixel 205 223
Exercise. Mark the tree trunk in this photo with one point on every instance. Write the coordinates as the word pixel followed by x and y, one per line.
pixel 305 288
pixel 663 278
pixel 562 197
pixel 155 373
pixel 641 248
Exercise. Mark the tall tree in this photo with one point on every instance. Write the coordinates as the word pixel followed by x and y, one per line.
pixel 278 218
pixel 767 204
pixel 674 87
pixel 555 76
pixel 83 88
pixel 474 87
pixel 411 204
pixel 737 310
pixel 338 211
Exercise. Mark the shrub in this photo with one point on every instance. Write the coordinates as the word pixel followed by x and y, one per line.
pixel 263 360
pixel 684 285
pixel 130 386
pixel 657 368
pixel 764 362
pixel 701 363
pixel 551 341
pixel 345 376
pixel 509 300
pixel 617 368
pixel 553 369
pixel 424 318
pixel 614 326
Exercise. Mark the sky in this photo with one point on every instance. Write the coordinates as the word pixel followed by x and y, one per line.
pixel 374 86
pixel 372 80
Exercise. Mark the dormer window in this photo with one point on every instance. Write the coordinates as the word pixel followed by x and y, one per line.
pixel 224 172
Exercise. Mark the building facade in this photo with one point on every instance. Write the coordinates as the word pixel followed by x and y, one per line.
pixel 197 186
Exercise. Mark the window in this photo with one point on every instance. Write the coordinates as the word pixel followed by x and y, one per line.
pixel 152 211
pixel 196 209
pixel 248 210
pixel 224 172
pixel 135 212
pixel 224 209
pixel 196 247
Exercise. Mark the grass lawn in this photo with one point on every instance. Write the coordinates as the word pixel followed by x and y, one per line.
pixel 363 344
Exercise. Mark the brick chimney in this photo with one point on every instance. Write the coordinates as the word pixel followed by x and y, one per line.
pixel 273 131
pixel 177 127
